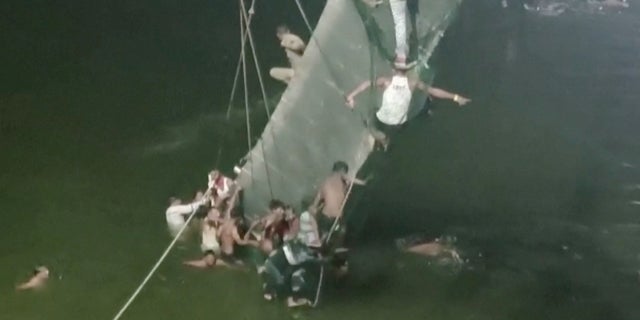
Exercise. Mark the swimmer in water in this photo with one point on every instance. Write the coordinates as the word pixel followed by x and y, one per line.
pixel 39 278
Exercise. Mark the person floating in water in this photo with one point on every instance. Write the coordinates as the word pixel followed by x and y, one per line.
pixel 396 98
pixel 399 13
pixel 37 280
pixel 331 196
pixel 294 48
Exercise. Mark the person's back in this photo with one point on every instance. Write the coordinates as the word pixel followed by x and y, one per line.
pixel 333 194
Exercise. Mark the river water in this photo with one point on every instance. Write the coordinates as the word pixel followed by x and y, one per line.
pixel 106 110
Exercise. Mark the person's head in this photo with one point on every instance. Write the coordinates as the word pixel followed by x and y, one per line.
pixel 214 174
pixel 41 271
pixel 173 201
pixel 288 212
pixel 281 30
pixel 400 65
pixel 340 167
pixel 276 206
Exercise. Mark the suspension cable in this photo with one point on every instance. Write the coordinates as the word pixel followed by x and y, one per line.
pixel 255 59
pixel 246 89
pixel 235 82
pixel 264 97
pixel 155 267
pixel 322 53
pixel 239 63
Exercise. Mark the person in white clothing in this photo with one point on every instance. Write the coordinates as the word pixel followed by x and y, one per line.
pixel 396 99
pixel 178 212
pixel 210 246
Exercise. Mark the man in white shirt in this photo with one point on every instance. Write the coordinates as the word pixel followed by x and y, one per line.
pixel 396 99
pixel 294 48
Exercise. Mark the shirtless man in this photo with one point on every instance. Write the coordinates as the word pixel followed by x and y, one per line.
pixel 39 278
pixel 431 249
pixel 396 99
pixel 331 196
pixel 294 48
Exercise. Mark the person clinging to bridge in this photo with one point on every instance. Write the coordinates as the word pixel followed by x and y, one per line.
pixel 396 99
pixel 294 48
pixel 331 196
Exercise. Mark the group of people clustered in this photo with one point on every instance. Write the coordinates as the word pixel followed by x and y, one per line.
pixel 291 250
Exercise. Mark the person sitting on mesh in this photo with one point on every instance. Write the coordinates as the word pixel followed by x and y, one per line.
pixel 293 48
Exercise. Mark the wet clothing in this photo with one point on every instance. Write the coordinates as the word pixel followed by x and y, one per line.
pixel 209 238
pixel 396 100
pixel 308 233
pixel 292 270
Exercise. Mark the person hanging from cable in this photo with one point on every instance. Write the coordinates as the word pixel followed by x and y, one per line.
pixel 293 47
pixel 396 99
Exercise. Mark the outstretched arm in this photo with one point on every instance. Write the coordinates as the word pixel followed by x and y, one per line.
pixel 381 82
pixel 242 241
pixel 442 94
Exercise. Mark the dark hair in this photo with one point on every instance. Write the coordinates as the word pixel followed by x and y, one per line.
pixel 276 204
pixel 340 166
pixel 282 29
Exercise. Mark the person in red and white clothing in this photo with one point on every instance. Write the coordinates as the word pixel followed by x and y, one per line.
pixel 220 187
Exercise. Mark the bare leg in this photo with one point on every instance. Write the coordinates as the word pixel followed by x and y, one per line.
pixel 207 261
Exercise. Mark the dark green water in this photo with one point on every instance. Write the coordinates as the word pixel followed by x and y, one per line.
pixel 108 109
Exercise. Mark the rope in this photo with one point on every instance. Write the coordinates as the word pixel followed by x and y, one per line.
pixel 334 227
pixel 246 89
pixel 155 267
pixel 264 95
pixel 322 54
pixel 316 300
pixel 235 82
pixel 255 59
pixel 239 63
